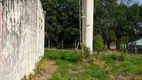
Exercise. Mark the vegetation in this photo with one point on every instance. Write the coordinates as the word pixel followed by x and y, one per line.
pixel 62 23
pixel 72 56
pixel 105 66
pixel 114 19
pixel 99 43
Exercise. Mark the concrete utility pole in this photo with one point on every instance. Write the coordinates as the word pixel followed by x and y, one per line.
pixel 87 23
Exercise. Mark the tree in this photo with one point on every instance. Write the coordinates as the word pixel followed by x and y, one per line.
pixel 105 21
pixel 99 43
pixel 116 19
pixel 62 22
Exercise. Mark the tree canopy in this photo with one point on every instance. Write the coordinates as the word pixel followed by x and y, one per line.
pixel 114 19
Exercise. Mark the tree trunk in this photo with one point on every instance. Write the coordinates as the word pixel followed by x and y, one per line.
pixel 62 43
pixel 118 45
pixel 75 44
pixel 49 43
pixel 80 26
pixel 135 48
pixel 108 45
pixel 127 46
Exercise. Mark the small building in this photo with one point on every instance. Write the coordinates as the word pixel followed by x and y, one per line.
pixel 135 45
pixel 21 37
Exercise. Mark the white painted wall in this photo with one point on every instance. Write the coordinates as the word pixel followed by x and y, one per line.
pixel 22 38
pixel 0 33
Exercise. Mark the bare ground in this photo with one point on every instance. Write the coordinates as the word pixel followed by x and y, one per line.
pixel 48 68
pixel 128 77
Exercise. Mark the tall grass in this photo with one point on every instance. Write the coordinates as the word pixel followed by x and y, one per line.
pixel 99 66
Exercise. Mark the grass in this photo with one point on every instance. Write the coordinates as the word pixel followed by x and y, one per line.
pixel 131 64
pixel 72 56
pixel 103 66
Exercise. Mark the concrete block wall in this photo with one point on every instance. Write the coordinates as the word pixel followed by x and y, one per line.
pixel 21 37
pixel 0 29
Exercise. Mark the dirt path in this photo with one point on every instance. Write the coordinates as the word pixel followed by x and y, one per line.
pixel 48 68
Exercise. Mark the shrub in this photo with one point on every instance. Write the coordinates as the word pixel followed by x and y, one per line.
pixel 118 57
pixel 99 43
pixel 71 56
pixel 114 57
pixel 24 78
pixel 86 52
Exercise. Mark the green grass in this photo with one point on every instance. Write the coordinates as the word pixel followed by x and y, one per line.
pixel 131 64
pixel 98 67
pixel 72 56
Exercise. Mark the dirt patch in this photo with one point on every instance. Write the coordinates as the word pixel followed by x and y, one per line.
pixel 75 72
pixel 48 68
pixel 128 77
pixel 108 52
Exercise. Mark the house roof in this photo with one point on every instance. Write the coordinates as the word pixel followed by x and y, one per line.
pixel 139 25
pixel 135 39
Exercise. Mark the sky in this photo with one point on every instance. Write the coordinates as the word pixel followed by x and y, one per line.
pixel 140 1
pixel 135 1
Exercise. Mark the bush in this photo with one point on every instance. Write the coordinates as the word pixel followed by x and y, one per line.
pixel 99 43
pixel 86 52
pixel 71 56
pixel 118 57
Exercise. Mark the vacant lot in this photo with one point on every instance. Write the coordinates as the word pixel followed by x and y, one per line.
pixel 104 66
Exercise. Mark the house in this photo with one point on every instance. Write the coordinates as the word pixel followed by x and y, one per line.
pixel 136 43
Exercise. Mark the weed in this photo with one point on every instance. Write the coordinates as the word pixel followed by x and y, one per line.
pixel 86 52
pixel 24 78
pixel 39 65
pixel 30 76
pixel 99 67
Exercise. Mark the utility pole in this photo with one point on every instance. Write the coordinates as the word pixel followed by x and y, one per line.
pixel 87 23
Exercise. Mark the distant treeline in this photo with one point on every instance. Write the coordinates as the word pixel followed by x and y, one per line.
pixel 116 20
